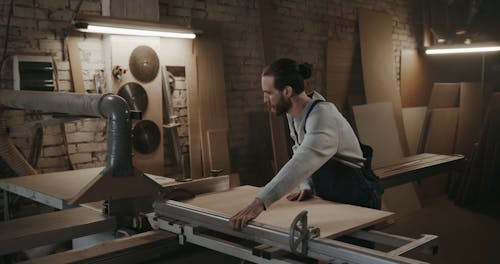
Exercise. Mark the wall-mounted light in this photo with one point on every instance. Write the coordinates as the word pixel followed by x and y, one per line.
pixel 103 25
pixel 472 48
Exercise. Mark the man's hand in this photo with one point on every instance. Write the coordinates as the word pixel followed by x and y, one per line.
pixel 301 195
pixel 246 215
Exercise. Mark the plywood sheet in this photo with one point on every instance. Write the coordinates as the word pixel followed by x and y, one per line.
pixel 333 219
pixel 415 80
pixel 376 127
pixel 194 129
pixel 470 117
pixel 439 139
pixel 444 95
pixel 212 92
pixel 377 57
pixel 414 118
pixel 343 73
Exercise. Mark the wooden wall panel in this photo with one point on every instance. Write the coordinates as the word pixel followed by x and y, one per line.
pixel 121 48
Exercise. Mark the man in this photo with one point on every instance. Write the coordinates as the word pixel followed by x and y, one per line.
pixel 327 157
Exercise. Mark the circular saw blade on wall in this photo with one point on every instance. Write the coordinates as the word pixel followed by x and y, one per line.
pixel 135 95
pixel 145 137
pixel 144 63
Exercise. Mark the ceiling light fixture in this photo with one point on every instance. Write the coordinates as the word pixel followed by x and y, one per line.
pixel 104 25
pixel 454 49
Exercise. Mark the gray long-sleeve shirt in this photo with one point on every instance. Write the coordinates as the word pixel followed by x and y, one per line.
pixel 327 133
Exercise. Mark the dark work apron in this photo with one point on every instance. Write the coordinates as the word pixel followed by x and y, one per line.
pixel 338 182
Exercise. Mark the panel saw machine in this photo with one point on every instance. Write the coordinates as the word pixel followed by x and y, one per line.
pixel 296 239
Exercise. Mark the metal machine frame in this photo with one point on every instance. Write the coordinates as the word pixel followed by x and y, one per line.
pixel 186 221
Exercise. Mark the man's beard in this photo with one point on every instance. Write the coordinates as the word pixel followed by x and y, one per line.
pixel 283 106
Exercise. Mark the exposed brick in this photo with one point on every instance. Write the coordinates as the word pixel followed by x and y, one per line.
pixel 52 162
pixel 54 151
pixel 80 137
pixel 53 4
pixel 91 147
pixel 81 158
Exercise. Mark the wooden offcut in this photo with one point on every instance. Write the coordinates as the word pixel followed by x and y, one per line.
pixel 333 219
pixel 415 80
pixel 377 57
pixel 75 64
pixel 28 232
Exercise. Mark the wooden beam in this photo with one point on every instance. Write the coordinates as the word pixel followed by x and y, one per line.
pixel 134 249
pixel 33 231
pixel 75 64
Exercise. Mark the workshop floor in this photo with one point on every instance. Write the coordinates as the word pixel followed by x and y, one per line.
pixel 464 236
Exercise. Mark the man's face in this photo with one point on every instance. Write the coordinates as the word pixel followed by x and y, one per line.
pixel 275 100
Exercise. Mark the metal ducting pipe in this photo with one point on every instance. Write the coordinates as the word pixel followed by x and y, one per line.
pixel 112 107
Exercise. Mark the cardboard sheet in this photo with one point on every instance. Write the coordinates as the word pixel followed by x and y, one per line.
pixel 333 219
pixel 413 118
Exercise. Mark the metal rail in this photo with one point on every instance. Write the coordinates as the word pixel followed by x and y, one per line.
pixel 318 248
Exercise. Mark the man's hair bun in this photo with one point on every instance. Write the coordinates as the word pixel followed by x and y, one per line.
pixel 305 70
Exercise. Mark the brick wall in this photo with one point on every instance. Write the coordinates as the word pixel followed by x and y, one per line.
pixel 302 29
pixel 38 28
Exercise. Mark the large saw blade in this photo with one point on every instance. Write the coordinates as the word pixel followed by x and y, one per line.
pixel 144 63
pixel 146 137
pixel 135 95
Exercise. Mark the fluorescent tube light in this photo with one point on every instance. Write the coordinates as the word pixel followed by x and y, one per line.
pixel 452 50
pixel 136 32
pixel 103 25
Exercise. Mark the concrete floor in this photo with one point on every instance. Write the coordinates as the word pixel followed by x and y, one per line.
pixel 464 236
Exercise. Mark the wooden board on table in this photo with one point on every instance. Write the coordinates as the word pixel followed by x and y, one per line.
pixel 333 219
pixel 376 127
pixel 29 232
pixel 57 189
pixel 379 71
pixel 444 95
pixel 439 139
pixel 415 80
pixel 413 118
